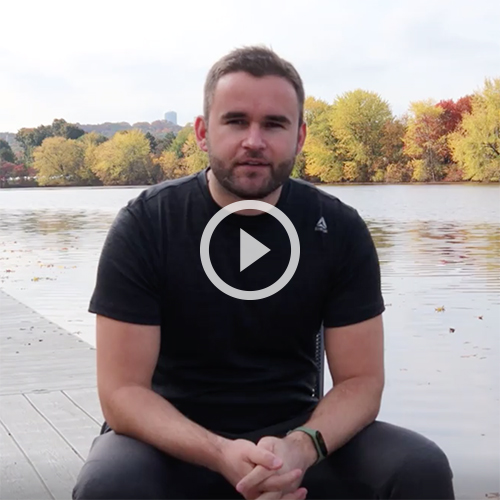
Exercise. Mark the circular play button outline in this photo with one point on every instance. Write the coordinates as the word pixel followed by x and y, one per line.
pixel 250 205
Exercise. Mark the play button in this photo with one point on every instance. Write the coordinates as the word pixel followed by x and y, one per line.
pixel 251 250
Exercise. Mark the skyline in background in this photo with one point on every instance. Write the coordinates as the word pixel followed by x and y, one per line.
pixel 109 62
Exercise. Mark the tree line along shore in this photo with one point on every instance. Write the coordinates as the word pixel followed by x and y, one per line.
pixel 354 139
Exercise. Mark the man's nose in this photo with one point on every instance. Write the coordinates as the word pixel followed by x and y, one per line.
pixel 254 138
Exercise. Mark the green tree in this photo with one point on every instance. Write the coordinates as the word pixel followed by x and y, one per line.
pixel 476 144
pixel 125 160
pixel 153 144
pixel 30 138
pixel 6 153
pixel 164 143
pixel 357 122
pixel 62 128
pixel 60 161
pixel 180 139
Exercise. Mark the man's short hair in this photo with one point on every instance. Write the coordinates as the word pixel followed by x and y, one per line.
pixel 258 61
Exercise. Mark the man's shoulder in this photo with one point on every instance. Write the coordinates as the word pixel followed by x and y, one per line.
pixel 171 187
pixel 323 200
pixel 164 193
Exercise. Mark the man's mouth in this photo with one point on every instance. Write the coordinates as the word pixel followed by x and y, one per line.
pixel 253 163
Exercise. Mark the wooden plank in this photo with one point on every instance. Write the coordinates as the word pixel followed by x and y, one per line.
pixel 38 354
pixel 18 479
pixel 74 425
pixel 88 400
pixel 52 457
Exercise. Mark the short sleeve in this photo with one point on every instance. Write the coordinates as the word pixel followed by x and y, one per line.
pixel 355 294
pixel 127 283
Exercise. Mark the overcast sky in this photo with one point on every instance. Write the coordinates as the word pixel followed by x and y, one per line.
pixel 97 61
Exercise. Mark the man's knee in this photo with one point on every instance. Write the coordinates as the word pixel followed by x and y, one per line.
pixel 119 467
pixel 105 485
pixel 426 473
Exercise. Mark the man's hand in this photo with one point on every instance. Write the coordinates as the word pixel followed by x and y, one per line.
pixel 300 494
pixel 297 453
pixel 240 457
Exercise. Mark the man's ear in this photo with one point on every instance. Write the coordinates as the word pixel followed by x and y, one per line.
pixel 301 138
pixel 200 130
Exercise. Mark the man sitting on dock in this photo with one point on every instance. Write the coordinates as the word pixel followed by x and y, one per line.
pixel 207 395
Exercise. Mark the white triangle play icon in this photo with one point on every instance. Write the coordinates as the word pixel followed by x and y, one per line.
pixel 250 250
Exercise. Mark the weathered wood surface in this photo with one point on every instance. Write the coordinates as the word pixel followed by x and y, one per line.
pixel 49 409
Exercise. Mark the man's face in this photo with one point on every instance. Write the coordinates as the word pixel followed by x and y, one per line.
pixel 253 133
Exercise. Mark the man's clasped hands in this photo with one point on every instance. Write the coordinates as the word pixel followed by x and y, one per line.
pixel 272 469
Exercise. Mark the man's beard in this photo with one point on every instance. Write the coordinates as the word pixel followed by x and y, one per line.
pixel 227 178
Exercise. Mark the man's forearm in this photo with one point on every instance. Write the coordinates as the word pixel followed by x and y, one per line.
pixel 144 415
pixel 344 411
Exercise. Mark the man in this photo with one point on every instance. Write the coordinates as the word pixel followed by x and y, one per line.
pixel 209 396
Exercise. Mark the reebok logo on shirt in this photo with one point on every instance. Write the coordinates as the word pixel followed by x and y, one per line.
pixel 321 226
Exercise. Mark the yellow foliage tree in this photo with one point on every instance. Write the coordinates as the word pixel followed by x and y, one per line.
pixel 125 159
pixel 358 121
pixel 194 159
pixel 319 152
pixel 475 145
pixel 60 161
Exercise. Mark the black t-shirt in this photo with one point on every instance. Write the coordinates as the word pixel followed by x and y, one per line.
pixel 236 365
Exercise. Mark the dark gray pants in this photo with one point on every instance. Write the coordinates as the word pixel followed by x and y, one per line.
pixel 382 461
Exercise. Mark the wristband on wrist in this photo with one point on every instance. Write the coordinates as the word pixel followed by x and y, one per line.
pixel 317 439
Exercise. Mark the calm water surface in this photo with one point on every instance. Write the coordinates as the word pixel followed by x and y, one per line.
pixel 439 248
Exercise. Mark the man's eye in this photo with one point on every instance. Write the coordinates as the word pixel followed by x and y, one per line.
pixel 236 122
pixel 273 125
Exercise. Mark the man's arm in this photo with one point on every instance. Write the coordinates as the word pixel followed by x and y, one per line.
pixel 355 358
pixel 126 359
pixel 355 355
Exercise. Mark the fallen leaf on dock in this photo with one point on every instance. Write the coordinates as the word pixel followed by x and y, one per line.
pixel 452 330
pixel 440 309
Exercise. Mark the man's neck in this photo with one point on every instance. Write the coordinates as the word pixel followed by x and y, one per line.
pixel 223 197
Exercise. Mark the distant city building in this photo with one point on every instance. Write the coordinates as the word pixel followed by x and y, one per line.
pixel 171 116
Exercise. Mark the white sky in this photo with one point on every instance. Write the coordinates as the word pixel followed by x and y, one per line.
pixel 97 61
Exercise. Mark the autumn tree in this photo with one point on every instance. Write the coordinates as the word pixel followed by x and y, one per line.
pixel 90 142
pixel 476 144
pixel 125 160
pixel 319 160
pixel 392 164
pixel 60 161
pixel 425 141
pixel 194 159
pixel 184 156
pixel 357 120
pixel 170 165
pixel 30 138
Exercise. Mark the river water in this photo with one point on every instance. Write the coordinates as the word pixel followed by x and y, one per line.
pixel 439 248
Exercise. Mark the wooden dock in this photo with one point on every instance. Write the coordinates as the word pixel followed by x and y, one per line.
pixel 49 409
